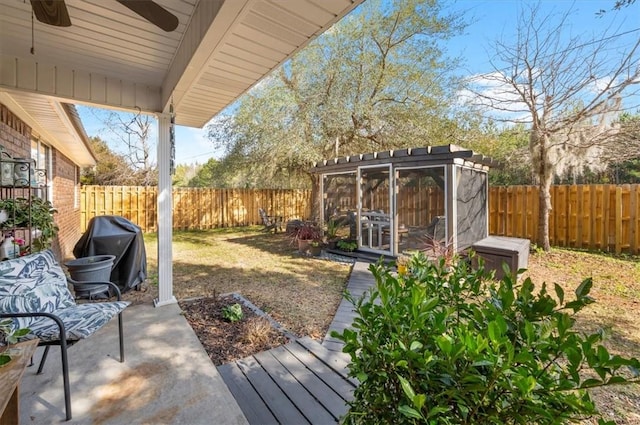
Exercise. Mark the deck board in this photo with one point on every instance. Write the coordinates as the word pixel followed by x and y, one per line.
pixel 298 383
pixel 339 362
pixel 296 391
pixel 282 408
pixel 360 282
pixel 323 393
pixel 255 410
pixel 334 380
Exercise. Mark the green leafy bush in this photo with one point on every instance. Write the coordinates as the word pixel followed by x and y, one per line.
pixel 447 345
pixel 232 313
pixel 347 245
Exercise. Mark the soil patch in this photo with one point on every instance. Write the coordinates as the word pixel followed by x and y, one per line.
pixel 226 341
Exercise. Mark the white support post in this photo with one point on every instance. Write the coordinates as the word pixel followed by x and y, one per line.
pixel 165 219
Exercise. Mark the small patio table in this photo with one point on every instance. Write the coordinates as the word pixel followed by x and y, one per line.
pixel 10 376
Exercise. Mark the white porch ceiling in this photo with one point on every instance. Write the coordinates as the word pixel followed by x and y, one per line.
pixel 53 122
pixel 111 57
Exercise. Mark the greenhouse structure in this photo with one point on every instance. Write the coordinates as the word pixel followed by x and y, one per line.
pixel 395 202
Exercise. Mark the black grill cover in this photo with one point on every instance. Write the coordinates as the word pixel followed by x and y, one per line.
pixel 114 235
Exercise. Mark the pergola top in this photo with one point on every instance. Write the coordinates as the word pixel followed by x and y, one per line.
pixel 428 155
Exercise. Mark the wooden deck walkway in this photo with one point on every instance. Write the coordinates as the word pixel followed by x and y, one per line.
pixel 298 383
pixel 302 382
pixel 360 281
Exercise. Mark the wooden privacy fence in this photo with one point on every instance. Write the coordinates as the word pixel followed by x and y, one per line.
pixel 193 208
pixel 596 217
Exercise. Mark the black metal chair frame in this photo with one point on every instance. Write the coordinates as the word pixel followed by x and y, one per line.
pixel 64 343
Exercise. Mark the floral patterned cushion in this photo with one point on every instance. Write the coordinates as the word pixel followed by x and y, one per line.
pixel 37 284
pixel 80 321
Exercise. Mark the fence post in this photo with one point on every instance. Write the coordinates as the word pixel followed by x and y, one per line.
pixel 580 213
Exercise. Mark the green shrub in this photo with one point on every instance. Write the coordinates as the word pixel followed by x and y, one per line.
pixel 447 345
pixel 232 313
pixel 347 245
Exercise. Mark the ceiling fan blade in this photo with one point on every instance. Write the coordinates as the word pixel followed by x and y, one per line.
pixel 152 12
pixel 51 12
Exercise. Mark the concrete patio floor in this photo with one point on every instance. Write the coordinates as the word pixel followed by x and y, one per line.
pixel 167 377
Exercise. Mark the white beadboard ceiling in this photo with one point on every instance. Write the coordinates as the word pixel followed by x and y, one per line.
pixel 111 57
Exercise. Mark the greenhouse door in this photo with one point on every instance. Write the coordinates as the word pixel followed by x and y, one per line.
pixel 375 224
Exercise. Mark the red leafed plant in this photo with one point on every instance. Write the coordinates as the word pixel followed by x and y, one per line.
pixel 308 231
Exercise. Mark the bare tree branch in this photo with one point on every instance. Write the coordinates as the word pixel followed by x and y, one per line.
pixel 569 90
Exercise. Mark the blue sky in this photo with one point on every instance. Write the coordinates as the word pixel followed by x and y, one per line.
pixel 191 143
pixel 488 21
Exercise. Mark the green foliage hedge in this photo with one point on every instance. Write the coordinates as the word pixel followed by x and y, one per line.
pixel 447 345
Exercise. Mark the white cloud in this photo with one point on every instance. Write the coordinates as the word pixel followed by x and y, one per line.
pixel 495 97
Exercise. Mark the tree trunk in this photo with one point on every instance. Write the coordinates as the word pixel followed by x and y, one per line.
pixel 316 197
pixel 539 147
pixel 544 197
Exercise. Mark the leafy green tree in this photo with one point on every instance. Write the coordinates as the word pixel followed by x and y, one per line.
pixel 377 80
pixel 205 175
pixel 184 173
pixel 624 169
pixel 507 145
pixel 513 155
pixel 227 173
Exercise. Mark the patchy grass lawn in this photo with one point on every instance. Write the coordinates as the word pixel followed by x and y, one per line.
pixel 616 289
pixel 303 293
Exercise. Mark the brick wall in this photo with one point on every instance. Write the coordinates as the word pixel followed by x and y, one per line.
pixel 68 216
pixel 15 137
pixel 14 134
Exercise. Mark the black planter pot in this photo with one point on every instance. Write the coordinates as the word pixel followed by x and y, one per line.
pixel 96 268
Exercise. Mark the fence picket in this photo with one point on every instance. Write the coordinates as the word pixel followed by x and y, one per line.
pixel 193 208
pixel 633 218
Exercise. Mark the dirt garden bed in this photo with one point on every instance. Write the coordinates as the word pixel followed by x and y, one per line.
pixel 224 340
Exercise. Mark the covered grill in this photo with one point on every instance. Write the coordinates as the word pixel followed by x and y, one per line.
pixel 115 235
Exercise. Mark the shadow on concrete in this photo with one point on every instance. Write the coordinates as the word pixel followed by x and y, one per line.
pixel 166 378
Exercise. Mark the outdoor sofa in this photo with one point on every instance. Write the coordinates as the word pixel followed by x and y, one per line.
pixel 34 292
